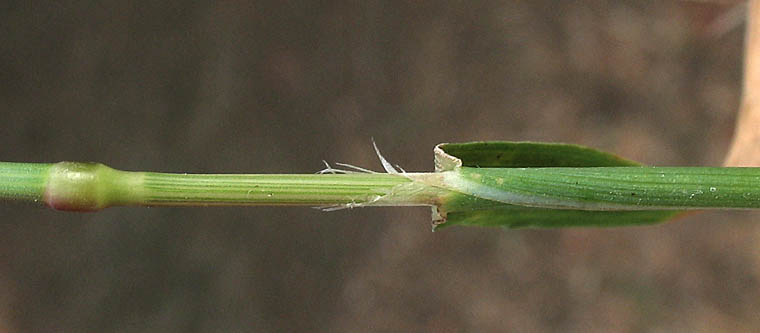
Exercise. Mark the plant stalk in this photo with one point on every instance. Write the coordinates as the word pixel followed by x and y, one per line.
pixel 91 187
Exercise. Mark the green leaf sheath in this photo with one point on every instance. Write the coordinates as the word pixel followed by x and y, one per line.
pixel 77 186
pixel 270 189
pixel 23 181
pixel 612 188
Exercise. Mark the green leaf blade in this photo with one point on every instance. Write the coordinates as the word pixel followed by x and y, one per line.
pixel 476 209
pixel 523 217
pixel 503 154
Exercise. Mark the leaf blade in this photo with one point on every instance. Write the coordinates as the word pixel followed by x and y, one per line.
pixel 504 154
pixel 471 210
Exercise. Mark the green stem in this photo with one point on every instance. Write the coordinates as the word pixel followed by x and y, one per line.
pixel 91 187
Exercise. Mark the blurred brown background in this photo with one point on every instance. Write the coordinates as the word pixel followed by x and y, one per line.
pixel 278 86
